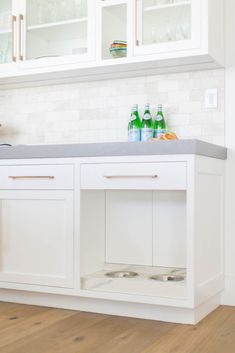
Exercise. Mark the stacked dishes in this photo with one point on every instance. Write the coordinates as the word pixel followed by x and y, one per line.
pixel 118 49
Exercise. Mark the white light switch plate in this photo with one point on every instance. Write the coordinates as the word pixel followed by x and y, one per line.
pixel 211 98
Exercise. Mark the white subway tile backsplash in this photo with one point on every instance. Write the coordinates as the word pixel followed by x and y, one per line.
pixel 178 96
pixel 213 130
pixel 99 111
pixel 168 85
pixel 179 119
pixel 190 107
pixel 196 95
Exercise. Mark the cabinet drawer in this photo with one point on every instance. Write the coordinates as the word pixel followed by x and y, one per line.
pixel 145 176
pixel 30 177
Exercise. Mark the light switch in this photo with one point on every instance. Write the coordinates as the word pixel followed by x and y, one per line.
pixel 211 98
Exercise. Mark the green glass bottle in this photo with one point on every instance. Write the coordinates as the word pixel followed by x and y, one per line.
pixel 159 123
pixel 134 126
pixel 147 124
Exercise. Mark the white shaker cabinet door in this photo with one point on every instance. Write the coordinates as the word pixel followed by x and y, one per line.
pixel 36 238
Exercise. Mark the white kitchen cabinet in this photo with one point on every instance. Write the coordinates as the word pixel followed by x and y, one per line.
pixel 114 20
pixel 37 177
pixel 56 32
pixel 50 33
pixel 36 227
pixel 165 26
pixel 180 28
pixel 155 216
pixel 55 40
pixel 66 223
pixel 145 176
pixel 172 23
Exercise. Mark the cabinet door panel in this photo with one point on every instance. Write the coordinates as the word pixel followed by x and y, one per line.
pixel 37 238
pixel 167 25
pixel 55 32
pixel 169 229
pixel 129 227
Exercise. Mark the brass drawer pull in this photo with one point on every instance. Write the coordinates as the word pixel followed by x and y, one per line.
pixel 31 177
pixel 153 176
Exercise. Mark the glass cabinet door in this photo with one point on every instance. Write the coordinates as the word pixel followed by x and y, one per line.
pixel 54 28
pixel 7 21
pixel 165 23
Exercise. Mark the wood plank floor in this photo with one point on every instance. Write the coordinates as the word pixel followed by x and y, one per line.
pixel 30 329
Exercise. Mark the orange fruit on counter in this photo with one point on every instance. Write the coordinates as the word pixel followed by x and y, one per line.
pixel 165 137
pixel 169 136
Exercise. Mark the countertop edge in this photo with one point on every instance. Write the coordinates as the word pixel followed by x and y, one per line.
pixel 178 147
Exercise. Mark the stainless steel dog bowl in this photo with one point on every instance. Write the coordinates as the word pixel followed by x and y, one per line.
pixel 121 274
pixel 168 278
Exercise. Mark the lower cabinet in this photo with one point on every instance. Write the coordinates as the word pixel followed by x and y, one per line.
pixel 137 230
pixel 36 238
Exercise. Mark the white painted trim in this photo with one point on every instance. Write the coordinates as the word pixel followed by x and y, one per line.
pixel 141 311
pixel 206 290
pixel 228 296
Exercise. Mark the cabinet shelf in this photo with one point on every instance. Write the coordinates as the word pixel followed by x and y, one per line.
pixel 57 24
pixel 168 6
pixel 57 32
pixel 141 284
pixel 5 32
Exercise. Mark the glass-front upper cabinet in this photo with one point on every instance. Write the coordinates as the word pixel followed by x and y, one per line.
pixel 113 29
pixel 7 21
pixel 167 25
pixel 55 29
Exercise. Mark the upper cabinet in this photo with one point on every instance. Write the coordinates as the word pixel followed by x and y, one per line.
pixel 186 29
pixel 54 31
pixel 88 39
pixel 112 29
pixel 39 33
pixel 54 28
pixel 167 25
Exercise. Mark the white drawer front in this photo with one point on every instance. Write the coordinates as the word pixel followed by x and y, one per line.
pixel 36 177
pixel 145 176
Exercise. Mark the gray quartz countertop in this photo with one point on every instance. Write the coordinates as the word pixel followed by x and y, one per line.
pixel 114 149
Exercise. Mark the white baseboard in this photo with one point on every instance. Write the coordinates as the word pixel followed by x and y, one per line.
pixel 142 311
pixel 228 296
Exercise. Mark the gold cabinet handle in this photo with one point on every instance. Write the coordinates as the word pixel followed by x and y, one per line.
pixel 21 19
pixel 15 177
pixel 137 13
pixel 13 23
pixel 153 176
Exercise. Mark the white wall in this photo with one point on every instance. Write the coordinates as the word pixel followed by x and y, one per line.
pixel 229 295
pixel 99 111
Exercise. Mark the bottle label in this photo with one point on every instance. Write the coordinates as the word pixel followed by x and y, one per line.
pixel 159 132
pixel 134 135
pixel 133 117
pixel 147 117
pixel 146 134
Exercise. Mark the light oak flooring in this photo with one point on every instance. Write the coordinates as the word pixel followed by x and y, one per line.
pixel 31 329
